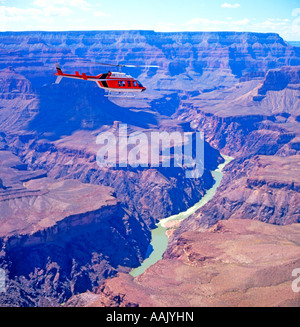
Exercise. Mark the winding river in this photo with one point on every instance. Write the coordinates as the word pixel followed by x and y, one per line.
pixel 159 240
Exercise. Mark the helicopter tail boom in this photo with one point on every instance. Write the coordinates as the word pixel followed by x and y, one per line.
pixel 59 73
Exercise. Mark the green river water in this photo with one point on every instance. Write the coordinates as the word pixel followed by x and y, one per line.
pixel 159 240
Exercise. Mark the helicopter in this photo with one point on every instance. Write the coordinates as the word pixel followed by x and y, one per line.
pixel 113 82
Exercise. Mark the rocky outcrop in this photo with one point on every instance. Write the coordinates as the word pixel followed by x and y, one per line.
pixel 265 188
pixel 13 84
pixel 74 255
pixel 279 79
pixel 61 237
pixel 198 270
pixel 17 100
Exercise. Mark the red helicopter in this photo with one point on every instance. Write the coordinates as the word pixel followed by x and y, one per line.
pixel 113 82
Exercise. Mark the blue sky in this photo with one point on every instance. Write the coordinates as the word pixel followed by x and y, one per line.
pixel 279 16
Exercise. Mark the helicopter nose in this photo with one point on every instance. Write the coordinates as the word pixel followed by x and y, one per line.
pixel 144 89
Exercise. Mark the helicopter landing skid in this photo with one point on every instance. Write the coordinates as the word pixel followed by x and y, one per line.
pixel 119 95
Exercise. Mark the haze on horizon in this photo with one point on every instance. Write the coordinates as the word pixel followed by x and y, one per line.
pixel 275 16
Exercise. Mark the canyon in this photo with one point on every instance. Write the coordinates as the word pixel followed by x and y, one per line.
pixel 234 250
pixel 241 89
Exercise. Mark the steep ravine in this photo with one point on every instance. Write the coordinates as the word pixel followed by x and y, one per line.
pixel 159 238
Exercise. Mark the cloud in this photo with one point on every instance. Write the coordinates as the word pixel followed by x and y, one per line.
pixel 42 14
pixel 295 28
pixel 279 19
pixel 275 25
pixel 13 18
pixel 82 4
pixel 295 12
pixel 50 15
pixel 17 14
pixel 232 6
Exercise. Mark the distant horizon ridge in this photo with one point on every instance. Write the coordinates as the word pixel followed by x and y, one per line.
pixel 151 31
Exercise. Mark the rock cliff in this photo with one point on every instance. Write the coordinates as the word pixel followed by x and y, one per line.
pixel 61 237
pixel 265 188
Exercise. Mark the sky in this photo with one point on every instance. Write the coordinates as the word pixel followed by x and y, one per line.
pixel 277 16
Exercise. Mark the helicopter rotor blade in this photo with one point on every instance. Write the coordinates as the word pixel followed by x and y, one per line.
pixel 103 64
pixel 123 65
pixel 140 66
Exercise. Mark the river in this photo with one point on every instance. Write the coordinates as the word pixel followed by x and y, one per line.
pixel 159 238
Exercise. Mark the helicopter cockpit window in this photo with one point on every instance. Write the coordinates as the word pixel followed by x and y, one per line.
pixel 134 83
pixel 140 84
